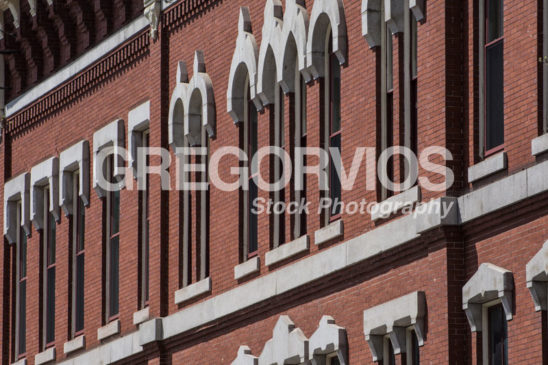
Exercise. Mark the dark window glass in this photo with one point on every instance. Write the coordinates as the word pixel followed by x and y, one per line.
pixel 391 355
pixel 79 317
pixel 113 276
pixel 22 287
pixel 334 130
pixel 253 223
pixel 22 317
pixel 494 95
pixel 334 361
pixel 498 336
pixel 115 217
pixel 335 182
pixel 494 20
pixel 23 255
pixel 145 197
pixel 78 274
pixel 50 311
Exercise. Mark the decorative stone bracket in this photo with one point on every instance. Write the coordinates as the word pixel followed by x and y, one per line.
pixel 393 318
pixel 489 283
pixel 537 278
pixel 152 12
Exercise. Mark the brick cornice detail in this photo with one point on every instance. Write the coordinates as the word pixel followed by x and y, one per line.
pixel 80 85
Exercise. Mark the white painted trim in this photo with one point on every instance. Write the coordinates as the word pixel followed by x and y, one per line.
pixel 287 250
pixel 75 344
pixel 73 159
pixel 111 329
pixel 138 122
pixel 45 174
pixel 77 66
pixel 193 291
pixel 249 267
pixel 16 189
pixel 488 167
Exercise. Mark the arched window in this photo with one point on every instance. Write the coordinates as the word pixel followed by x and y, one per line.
pixel 191 126
pixel 292 77
pixel 242 103
pixel 270 90
pixel 326 52
pixel 249 142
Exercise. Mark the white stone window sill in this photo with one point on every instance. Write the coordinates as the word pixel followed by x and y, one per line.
pixel 45 357
pixel 111 329
pixel 141 316
pixel 193 291
pixel 329 232
pixel 249 267
pixel 395 203
pixel 539 145
pixel 287 250
pixel 76 344
pixel 20 362
pixel 488 167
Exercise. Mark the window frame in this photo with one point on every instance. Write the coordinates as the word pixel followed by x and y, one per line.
pixel 329 134
pixel 250 147
pixel 78 235
pixel 300 131
pixel 388 351
pixel 20 327
pixel 110 237
pixel 410 340
pixel 49 264
pixel 144 239
pixel 487 44
pixel 485 333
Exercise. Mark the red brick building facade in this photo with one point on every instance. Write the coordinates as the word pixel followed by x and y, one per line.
pixel 163 276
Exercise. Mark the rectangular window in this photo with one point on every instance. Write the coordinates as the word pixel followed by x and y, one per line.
pixel 113 246
pixel 144 240
pixel 21 289
pixel 334 131
pixel 494 76
pixel 49 247
pixel 78 251
pixel 414 83
pixel 498 336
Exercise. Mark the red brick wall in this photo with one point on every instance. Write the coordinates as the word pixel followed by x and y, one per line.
pixel 439 263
